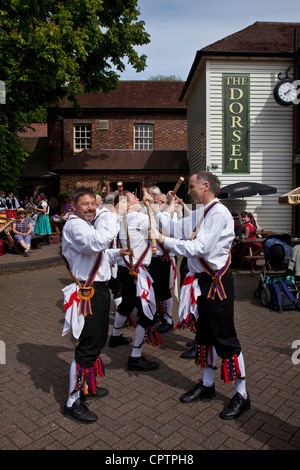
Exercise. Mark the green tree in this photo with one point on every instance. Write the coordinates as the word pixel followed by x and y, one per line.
pixel 55 48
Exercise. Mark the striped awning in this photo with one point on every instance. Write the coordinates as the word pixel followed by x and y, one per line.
pixel 292 197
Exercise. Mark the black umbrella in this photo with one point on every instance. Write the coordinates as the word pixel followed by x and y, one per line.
pixel 245 189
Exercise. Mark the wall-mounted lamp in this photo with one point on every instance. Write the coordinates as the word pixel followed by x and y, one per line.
pixel 212 166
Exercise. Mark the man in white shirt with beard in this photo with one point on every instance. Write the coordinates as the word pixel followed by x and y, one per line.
pixel 87 301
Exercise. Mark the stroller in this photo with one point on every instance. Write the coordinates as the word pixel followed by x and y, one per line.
pixel 276 289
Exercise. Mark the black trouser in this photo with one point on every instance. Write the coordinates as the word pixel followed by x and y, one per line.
pixel 183 270
pixel 94 334
pixel 159 270
pixel 130 299
pixel 115 286
pixel 215 325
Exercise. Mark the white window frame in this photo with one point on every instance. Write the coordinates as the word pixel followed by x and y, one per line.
pixel 83 140
pixel 143 136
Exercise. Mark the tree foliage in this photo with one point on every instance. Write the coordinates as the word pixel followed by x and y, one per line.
pixel 50 49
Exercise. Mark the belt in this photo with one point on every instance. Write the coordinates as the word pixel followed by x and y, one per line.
pixel 202 276
pixel 103 283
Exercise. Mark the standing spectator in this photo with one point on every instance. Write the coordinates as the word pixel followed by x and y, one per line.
pixel 42 224
pixel 3 206
pixel 12 205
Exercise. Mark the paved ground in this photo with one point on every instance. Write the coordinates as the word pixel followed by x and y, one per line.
pixel 142 410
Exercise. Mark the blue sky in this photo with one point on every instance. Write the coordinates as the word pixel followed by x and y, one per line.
pixel 178 28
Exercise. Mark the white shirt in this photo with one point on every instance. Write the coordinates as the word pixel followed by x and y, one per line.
pixel 108 221
pixel 213 239
pixel 138 226
pixel 81 243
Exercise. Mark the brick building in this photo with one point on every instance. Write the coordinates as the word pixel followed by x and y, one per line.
pixel 135 134
pixel 36 172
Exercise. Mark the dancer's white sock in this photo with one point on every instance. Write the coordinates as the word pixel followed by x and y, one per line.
pixel 167 309
pixel 117 301
pixel 72 385
pixel 119 322
pixel 138 341
pixel 240 384
pixel 208 372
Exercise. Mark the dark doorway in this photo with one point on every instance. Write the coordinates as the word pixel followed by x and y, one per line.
pixel 166 186
pixel 133 187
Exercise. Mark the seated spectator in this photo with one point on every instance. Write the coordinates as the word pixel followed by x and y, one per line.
pixel 236 246
pixel 249 229
pixel 22 230
pixel 237 224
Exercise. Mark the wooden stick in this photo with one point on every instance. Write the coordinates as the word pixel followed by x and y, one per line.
pixel 120 190
pixel 151 220
pixel 178 184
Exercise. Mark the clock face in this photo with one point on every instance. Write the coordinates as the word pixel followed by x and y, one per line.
pixel 285 92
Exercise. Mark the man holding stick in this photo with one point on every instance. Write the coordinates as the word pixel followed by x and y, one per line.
pixel 87 300
pixel 163 272
pixel 137 290
pixel 207 247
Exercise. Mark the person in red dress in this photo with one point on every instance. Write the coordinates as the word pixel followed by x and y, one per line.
pixel 249 229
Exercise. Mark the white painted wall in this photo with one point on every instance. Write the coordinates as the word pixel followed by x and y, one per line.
pixel 270 135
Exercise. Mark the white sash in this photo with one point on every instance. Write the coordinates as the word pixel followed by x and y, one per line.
pixel 73 320
pixel 189 292
pixel 145 291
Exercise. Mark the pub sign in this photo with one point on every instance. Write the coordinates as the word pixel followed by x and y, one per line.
pixel 236 123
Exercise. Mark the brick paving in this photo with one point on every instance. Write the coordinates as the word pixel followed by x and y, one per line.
pixel 142 410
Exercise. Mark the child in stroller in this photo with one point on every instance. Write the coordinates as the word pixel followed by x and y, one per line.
pixel 277 289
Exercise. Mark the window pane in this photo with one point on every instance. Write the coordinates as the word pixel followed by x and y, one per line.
pixel 143 136
pixel 82 136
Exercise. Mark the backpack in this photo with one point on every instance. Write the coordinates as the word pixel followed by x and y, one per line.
pixel 283 295
pixel 271 242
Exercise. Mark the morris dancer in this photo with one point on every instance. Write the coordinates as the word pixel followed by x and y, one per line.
pixel 137 288
pixel 87 299
pixel 208 256
pixel 107 218
pixel 163 272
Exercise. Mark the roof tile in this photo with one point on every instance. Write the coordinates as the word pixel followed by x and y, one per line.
pixel 131 160
pixel 133 94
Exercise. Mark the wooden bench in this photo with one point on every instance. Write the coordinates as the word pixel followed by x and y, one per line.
pixel 252 260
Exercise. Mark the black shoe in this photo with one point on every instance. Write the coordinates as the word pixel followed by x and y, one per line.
pixel 189 354
pixel 140 363
pixel 236 407
pixel 198 392
pixel 164 327
pixel 118 341
pixel 80 412
pixel 191 343
pixel 100 392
